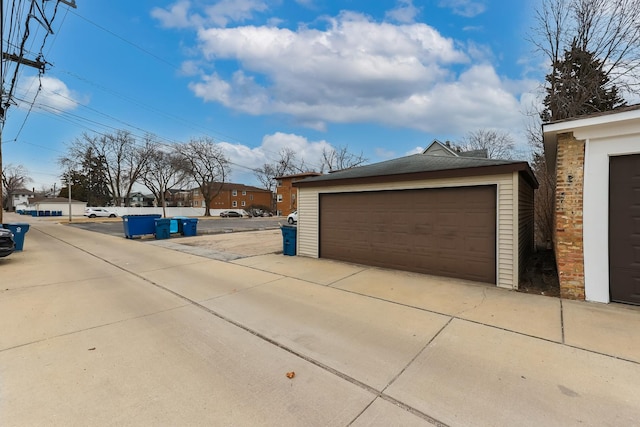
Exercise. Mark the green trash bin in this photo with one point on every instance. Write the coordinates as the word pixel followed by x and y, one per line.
pixel 163 228
pixel 289 239
pixel 19 230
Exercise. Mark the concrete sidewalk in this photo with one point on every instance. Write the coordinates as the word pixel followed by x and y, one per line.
pixel 104 330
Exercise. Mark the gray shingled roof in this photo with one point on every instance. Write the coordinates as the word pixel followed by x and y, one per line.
pixel 417 163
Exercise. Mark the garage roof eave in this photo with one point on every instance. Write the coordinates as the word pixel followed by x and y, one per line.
pixel 363 178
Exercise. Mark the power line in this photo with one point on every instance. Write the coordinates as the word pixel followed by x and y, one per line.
pixel 163 60
pixel 140 48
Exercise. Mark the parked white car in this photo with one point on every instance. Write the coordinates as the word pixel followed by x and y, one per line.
pixel 94 212
pixel 293 217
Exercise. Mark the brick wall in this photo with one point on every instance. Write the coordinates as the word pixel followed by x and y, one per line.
pixel 568 216
pixel 288 193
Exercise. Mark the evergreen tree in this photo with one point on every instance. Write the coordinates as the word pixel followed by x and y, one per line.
pixel 578 86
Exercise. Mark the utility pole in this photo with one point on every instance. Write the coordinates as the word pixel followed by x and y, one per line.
pixel 37 13
pixel 69 191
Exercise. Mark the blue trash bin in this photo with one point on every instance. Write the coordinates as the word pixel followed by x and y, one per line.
pixel 138 225
pixel 178 224
pixel 289 239
pixel 18 230
pixel 163 227
pixel 189 226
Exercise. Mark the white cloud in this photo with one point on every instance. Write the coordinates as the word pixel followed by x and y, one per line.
pixel 177 16
pixel 244 158
pixel 226 11
pixel 416 150
pixel 466 8
pixel 405 12
pixel 223 12
pixel 384 154
pixel 54 94
pixel 354 70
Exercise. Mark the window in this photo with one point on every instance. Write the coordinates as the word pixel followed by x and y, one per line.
pixel 234 204
pixel 250 196
pixel 234 193
pixel 244 203
pixel 279 183
pixel 244 192
pixel 279 198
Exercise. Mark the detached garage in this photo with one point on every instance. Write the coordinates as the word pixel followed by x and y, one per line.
pixel 468 218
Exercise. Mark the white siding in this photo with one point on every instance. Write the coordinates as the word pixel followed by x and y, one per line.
pixel 308 220
pixel 506 209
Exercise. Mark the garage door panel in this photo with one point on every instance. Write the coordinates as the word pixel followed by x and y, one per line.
pixel 449 232
pixel 624 238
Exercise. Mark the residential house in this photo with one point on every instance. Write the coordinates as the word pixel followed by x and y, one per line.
pixel 20 198
pixel 234 196
pixel 138 199
pixel 596 162
pixel 287 194
pixel 437 148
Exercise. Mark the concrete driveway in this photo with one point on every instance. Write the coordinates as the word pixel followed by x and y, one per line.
pixel 100 330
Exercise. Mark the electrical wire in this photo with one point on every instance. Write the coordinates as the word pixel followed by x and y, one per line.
pixel 163 60
pixel 90 124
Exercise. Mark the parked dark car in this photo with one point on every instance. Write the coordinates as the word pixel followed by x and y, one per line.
pixel 7 244
pixel 230 214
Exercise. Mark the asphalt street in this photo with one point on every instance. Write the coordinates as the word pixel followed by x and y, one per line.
pixel 214 225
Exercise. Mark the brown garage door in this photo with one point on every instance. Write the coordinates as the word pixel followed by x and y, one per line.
pixel 624 228
pixel 445 231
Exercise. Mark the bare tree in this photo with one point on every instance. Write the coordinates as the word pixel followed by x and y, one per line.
pixel 335 159
pixel 163 171
pixel 120 156
pixel 497 144
pixel 286 164
pixel 14 177
pixel 206 166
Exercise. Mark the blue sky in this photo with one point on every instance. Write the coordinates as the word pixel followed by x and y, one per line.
pixel 382 77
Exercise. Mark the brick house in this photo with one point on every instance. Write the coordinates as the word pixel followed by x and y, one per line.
pixel 287 194
pixel 234 196
pixel 177 197
pixel 596 162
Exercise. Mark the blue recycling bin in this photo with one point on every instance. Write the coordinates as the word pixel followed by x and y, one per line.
pixel 178 220
pixel 189 226
pixel 163 227
pixel 139 225
pixel 18 230
pixel 289 239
